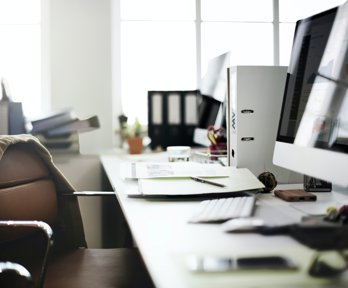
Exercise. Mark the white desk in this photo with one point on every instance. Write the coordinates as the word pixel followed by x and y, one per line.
pixel 165 240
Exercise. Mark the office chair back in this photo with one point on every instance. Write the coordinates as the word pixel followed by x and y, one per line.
pixel 32 188
pixel 28 192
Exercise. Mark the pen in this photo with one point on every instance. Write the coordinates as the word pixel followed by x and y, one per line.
pixel 207 181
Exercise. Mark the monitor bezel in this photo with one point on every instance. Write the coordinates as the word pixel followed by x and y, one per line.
pixel 324 164
pixel 280 137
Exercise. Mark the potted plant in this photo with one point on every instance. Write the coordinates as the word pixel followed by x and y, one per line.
pixel 134 138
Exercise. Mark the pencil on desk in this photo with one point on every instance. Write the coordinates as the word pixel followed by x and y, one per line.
pixel 201 180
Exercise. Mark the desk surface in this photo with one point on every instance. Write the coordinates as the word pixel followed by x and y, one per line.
pixel 166 239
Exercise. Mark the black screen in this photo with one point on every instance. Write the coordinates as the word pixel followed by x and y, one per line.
pixel 311 36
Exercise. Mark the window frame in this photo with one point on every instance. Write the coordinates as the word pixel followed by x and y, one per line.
pixel 276 24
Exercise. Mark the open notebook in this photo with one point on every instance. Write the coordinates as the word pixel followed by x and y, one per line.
pixel 238 180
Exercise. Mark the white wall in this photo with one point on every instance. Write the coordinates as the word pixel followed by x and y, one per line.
pixel 80 51
pixel 78 64
pixel 86 179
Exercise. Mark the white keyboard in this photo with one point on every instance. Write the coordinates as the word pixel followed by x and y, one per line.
pixel 223 209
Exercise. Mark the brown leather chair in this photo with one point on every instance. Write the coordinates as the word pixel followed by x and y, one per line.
pixel 29 190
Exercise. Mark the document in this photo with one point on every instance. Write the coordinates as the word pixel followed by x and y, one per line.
pixel 239 179
pixel 136 170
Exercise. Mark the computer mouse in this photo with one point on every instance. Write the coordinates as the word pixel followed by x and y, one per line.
pixel 242 225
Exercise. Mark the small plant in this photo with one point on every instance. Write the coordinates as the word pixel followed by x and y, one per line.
pixel 129 131
pixel 136 129
pixel 134 138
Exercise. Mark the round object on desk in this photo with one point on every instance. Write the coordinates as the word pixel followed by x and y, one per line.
pixel 268 179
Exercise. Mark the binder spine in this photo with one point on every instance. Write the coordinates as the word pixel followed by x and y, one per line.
pixel 167 127
pixel 254 100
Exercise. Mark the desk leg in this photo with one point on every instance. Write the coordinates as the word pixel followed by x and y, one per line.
pixel 115 230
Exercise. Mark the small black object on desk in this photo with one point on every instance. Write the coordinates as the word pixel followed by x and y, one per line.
pixel 269 180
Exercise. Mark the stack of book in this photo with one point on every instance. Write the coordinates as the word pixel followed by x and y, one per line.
pixel 11 113
pixel 58 131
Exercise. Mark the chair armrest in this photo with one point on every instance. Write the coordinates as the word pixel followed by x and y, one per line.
pixel 40 225
pixel 90 193
pixel 17 269
pixel 30 224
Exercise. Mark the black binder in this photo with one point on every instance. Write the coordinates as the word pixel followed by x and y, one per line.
pixel 172 117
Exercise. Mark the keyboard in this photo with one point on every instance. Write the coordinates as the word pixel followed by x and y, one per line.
pixel 223 209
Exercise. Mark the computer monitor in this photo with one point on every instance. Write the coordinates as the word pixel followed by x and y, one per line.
pixel 211 106
pixel 312 136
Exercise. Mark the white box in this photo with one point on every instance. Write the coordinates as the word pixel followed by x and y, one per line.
pixel 254 99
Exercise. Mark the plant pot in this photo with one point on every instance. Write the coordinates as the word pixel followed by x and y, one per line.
pixel 135 145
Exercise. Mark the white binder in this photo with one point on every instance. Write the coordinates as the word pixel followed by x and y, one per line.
pixel 254 99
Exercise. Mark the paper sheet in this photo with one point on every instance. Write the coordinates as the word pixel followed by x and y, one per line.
pixel 139 170
pixel 239 180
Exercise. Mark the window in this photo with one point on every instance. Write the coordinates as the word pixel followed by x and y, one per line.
pixel 232 25
pixel 20 52
pixel 157 50
pixel 166 44
pixel 289 13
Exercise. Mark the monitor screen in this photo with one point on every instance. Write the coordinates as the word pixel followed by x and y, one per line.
pixel 211 106
pixel 311 132
pixel 213 83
